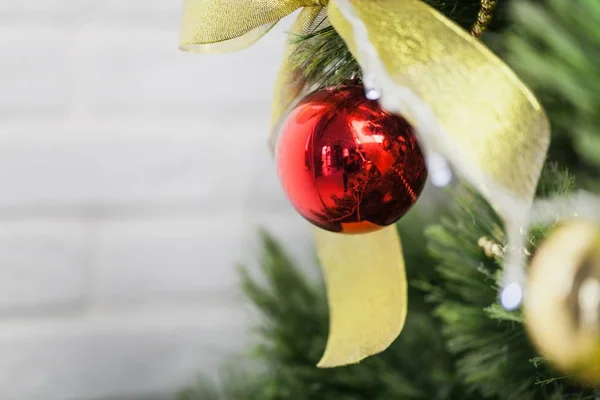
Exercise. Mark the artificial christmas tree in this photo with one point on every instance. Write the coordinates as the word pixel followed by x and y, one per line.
pixel 465 336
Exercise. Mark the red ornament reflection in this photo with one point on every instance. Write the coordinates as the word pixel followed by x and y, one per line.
pixel 346 164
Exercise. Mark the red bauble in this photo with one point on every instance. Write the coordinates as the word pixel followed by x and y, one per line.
pixel 346 164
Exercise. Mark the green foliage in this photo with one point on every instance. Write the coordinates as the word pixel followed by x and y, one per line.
pixel 458 343
pixel 555 48
pixel 292 337
pixel 493 355
pixel 325 60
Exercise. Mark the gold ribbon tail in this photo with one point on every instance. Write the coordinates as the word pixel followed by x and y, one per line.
pixel 367 293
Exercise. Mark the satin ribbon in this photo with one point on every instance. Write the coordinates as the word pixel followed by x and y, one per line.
pixel 463 101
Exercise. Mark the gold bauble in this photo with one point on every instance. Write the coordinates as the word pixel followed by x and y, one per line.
pixel 562 302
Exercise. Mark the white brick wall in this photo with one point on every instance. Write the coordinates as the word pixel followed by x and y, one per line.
pixel 132 178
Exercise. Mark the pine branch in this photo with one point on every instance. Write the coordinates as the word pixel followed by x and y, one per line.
pixel 292 337
pixel 465 347
pixel 324 59
pixel 492 350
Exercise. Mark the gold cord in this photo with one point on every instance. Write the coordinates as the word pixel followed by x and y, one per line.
pixel 484 17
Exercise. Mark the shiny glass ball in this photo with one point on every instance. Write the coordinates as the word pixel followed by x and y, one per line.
pixel 346 164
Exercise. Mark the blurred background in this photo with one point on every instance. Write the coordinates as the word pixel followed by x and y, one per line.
pixel 133 177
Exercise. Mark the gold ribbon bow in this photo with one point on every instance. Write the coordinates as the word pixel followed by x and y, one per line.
pixel 462 100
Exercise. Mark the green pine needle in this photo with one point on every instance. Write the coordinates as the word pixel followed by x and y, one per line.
pixel 324 59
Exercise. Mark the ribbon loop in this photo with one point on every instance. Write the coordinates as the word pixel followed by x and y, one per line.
pixel 463 100
pixel 227 25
